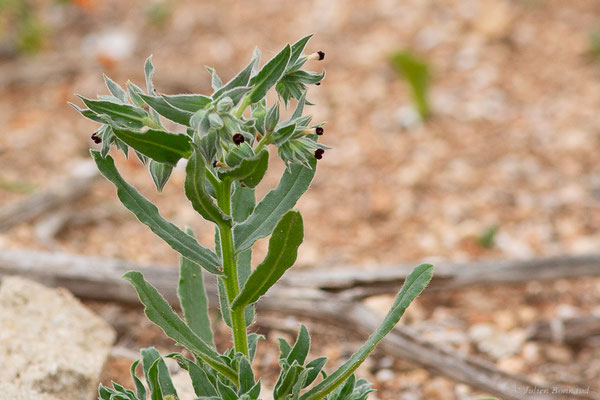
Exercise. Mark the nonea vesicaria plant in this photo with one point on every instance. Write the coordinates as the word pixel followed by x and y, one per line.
pixel 225 138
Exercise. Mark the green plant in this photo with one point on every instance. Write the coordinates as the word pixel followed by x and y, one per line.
pixel 417 74
pixel 225 145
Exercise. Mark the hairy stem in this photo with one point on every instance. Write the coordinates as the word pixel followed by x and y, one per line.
pixel 243 105
pixel 238 321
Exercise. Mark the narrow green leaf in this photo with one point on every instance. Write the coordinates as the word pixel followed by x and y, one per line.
pixel 149 74
pixel 246 376
pixel 139 386
pixel 160 173
pixel 148 214
pixel 158 145
pixel 298 48
pixel 160 312
pixel 314 368
pixel 282 253
pixel 300 350
pixel 121 114
pixel 115 89
pixel 284 348
pixel 242 202
pixel 215 82
pixel 241 79
pixel 413 286
pixel 272 118
pixel 226 392
pixel 244 271
pixel 250 171
pixel 195 191
pixel 161 106
pixel 202 385
pixel 235 94
pixel 253 339
pixel 153 383
pixel 134 92
pixel 283 134
pixel 286 382
pixel 89 114
pixel 269 74
pixel 188 102
pixel 150 356
pixel 193 300
pixel 294 182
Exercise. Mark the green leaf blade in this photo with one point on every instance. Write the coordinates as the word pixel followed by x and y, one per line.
pixel 161 106
pixel 250 171
pixel 193 300
pixel 294 182
pixel 269 74
pixel 158 145
pixel 283 249
pixel 416 281
pixel 148 214
pixel 188 102
pixel 160 312
pixel 195 191
pixel 122 114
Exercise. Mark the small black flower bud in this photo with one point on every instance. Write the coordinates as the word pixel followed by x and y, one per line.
pixel 318 84
pixel 319 153
pixel 97 139
pixel 215 164
pixel 319 130
pixel 318 56
pixel 238 139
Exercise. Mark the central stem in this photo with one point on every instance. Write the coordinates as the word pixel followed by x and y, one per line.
pixel 238 321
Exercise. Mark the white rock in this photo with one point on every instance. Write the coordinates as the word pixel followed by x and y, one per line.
pixel 49 341
pixel 9 391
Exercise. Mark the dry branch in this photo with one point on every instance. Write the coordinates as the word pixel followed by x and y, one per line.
pixel 567 331
pixel 58 194
pixel 327 301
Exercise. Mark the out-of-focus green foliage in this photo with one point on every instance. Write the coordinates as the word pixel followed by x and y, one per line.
pixel 20 26
pixel 417 74
pixel 488 237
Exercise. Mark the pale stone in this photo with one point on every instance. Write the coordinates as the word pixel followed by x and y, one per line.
pixel 9 391
pixel 49 341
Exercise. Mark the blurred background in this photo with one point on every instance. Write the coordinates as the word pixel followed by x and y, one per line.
pixel 462 130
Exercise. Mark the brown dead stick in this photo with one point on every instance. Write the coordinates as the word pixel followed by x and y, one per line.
pixel 58 194
pixel 351 283
pixel 99 278
pixel 567 331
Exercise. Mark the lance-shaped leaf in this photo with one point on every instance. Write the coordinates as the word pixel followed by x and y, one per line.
pixel 235 94
pixel 162 382
pixel 269 74
pixel 115 89
pixel 161 106
pixel 139 386
pixel 148 214
pixel 283 250
pixel 246 376
pixel 200 382
pixel 160 312
pixel 160 173
pixel 250 171
pixel 298 48
pixel 121 114
pixel 195 190
pixel 193 300
pixel 413 286
pixel 88 114
pixel 160 146
pixel 188 102
pixel 216 81
pixel 149 74
pixel 294 182
pixel 301 347
pixel 240 80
